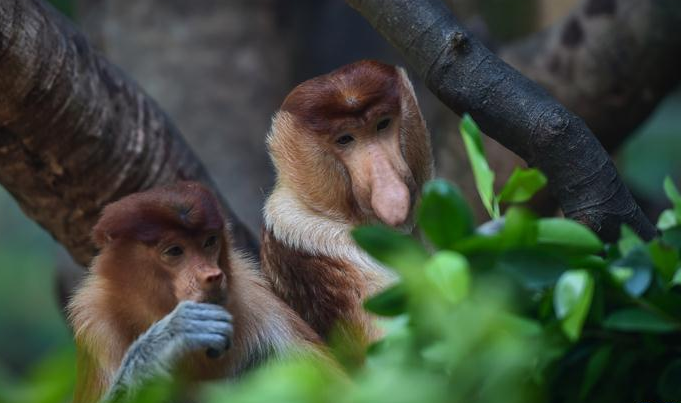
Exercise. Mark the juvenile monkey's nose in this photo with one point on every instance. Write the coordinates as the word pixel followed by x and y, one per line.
pixel 212 276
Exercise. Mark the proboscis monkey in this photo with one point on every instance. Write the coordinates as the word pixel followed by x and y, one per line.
pixel 168 294
pixel 349 148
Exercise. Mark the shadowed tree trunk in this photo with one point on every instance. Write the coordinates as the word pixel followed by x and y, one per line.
pixel 609 61
pixel 512 109
pixel 75 132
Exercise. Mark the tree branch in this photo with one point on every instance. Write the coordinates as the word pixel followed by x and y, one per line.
pixel 76 133
pixel 609 61
pixel 512 109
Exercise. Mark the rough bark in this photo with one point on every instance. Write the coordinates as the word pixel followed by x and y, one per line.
pixel 511 109
pixel 609 61
pixel 75 132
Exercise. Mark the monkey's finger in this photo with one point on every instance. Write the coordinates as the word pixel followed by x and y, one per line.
pixel 208 326
pixel 218 314
pixel 192 305
pixel 202 305
pixel 187 307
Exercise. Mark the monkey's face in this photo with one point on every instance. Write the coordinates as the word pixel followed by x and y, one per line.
pixel 165 245
pixel 381 181
pixel 352 144
pixel 192 262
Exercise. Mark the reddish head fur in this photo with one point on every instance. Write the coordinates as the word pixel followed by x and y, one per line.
pixel 349 96
pixel 186 207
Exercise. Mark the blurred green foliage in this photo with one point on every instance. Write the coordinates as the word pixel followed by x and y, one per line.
pixel 522 309
pixel 31 325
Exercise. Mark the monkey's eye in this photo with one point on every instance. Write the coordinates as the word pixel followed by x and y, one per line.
pixel 383 124
pixel 345 139
pixel 210 241
pixel 173 251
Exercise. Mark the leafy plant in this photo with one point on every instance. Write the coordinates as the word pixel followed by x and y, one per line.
pixel 521 185
pixel 521 309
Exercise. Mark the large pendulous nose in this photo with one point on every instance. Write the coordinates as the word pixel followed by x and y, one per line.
pixel 390 197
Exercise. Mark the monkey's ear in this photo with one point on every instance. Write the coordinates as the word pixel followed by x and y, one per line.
pixel 407 86
pixel 101 237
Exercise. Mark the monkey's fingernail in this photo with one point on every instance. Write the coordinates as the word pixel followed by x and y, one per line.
pixel 213 353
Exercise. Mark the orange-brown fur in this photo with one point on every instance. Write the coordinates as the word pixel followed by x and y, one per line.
pixel 324 190
pixel 126 291
pixel 321 295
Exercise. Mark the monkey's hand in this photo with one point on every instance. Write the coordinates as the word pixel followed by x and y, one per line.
pixel 190 327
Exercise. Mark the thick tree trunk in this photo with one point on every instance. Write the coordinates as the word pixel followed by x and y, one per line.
pixel 609 61
pixel 512 109
pixel 75 132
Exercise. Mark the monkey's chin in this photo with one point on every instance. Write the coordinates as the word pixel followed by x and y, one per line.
pixel 216 298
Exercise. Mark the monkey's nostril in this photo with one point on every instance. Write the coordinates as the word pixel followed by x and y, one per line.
pixel 213 277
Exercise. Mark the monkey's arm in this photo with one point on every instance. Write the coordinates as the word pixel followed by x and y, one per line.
pixel 192 326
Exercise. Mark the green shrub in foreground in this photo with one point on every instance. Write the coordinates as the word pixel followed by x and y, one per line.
pixel 522 309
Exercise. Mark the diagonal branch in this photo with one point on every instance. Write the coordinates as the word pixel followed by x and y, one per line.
pixel 512 109
pixel 75 132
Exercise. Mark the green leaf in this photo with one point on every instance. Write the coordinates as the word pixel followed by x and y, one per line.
pixel 533 269
pixel 638 320
pixel 621 274
pixel 597 364
pixel 484 176
pixel 672 237
pixel 669 384
pixel 522 185
pixel 593 262
pixel 674 196
pixel 628 240
pixel 638 261
pixel 444 215
pixel 449 273
pixel 572 300
pixel 667 220
pixel 390 302
pixel 479 244
pixel 665 258
pixel 390 247
pixel 519 230
pixel 676 280
pixel 569 235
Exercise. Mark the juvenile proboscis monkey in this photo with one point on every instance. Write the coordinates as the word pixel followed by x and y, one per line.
pixel 168 295
pixel 349 148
